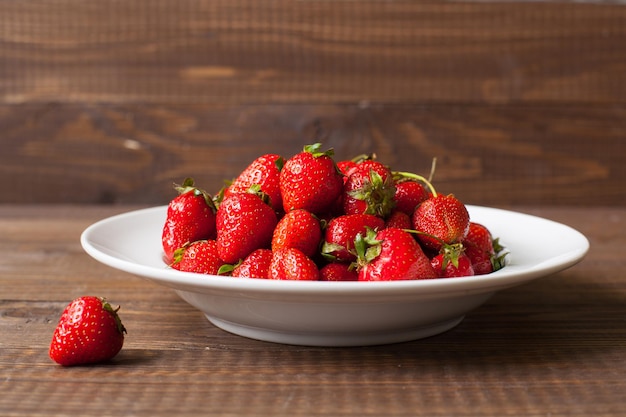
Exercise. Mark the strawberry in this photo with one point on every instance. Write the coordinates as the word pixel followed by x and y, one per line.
pixel 442 219
pixel 298 229
pixel 292 264
pixel 310 180
pixel 452 262
pixel 89 331
pixel 255 265
pixel 482 249
pixel 346 166
pixel 190 217
pixel 409 195
pixel 392 254
pixel 341 233
pixel 369 189
pixel 265 172
pixel 245 222
pixel 399 220
pixel 199 256
pixel 336 271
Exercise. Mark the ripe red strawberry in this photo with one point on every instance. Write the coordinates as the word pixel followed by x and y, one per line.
pixel 369 189
pixel 298 229
pixel 452 262
pixel 336 271
pixel 310 180
pixel 442 219
pixel 265 172
pixel 199 256
pixel 292 264
pixel 245 222
pixel 481 250
pixel 392 254
pixel 190 217
pixel 342 231
pixel 89 331
pixel 256 265
pixel 409 195
pixel 346 166
pixel 399 220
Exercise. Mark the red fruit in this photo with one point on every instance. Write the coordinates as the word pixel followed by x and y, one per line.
pixel 447 269
pixel 244 223
pixel 441 219
pixel 392 254
pixel 342 231
pixel 369 189
pixel 335 271
pixel 298 229
pixel 190 217
pixel 399 220
pixel 292 264
pixel 409 195
pixel 311 181
pixel 256 265
pixel 89 331
pixel 264 172
pixel 481 250
pixel 345 167
pixel 452 262
pixel 199 256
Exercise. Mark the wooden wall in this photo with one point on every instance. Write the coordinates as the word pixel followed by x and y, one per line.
pixel 107 102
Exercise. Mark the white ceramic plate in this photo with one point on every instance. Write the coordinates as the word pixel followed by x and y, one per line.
pixel 338 313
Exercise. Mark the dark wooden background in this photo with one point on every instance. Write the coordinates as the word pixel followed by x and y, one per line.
pixel 110 102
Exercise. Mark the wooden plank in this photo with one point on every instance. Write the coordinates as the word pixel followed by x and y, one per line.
pixel 490 155
pixel 244 51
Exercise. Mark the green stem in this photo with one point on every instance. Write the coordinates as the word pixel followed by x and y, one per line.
pixel 418 178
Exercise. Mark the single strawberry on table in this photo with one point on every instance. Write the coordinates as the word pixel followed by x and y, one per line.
pixel 190 217
pixel 89 331
pixel 310 180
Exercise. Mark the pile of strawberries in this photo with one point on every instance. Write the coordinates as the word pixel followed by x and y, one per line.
pixel 310 217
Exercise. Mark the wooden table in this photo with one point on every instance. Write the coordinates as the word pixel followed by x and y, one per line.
pixel 553 347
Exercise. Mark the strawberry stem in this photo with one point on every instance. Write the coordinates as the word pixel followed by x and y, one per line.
pixel 188 185
pixel 314 149
pixel 417 177
pixel 113 311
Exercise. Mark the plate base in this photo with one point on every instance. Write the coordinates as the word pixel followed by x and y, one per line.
pixel 335 339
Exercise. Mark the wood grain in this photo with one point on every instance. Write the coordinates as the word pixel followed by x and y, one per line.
pixel 111 102
pixel 553 346
pixel 253 52
pixel 490 155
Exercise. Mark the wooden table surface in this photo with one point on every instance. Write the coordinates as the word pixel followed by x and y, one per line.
pixel 552 347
